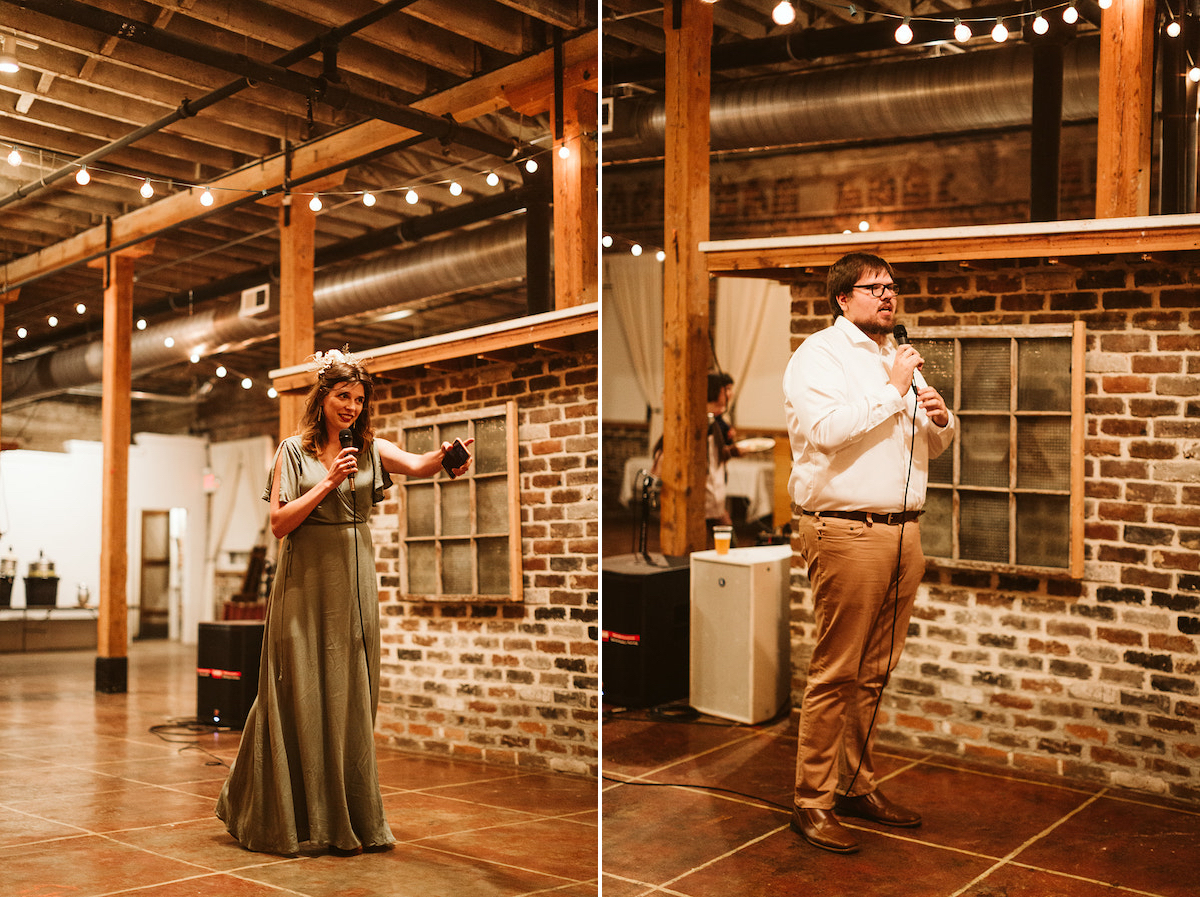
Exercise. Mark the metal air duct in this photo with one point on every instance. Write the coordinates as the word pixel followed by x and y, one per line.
pixel 467 261
pixel 949 94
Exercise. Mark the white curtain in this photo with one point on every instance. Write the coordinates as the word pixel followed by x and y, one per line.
pixel 751 336
pixel 634 285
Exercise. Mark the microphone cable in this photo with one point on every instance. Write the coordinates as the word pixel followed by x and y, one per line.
pixel 887 674
pixel 346 439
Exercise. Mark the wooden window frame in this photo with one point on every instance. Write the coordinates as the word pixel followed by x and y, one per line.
pixel 511 473
pixel 1075 533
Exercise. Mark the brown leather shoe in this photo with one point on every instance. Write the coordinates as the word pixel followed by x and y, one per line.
pixel 877 808
pixel 821 829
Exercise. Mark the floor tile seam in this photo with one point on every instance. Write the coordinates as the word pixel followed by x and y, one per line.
pixel 1012 854
pixel 652 889
pixel 1013 775
pixel 159 884
pixel 417 842
pixel 746 799
pixel 570 884
pixel 1118 889
pixel 690 757
pixel 477 859
pixel 727 854
pixel 1133 799
pixel 533 814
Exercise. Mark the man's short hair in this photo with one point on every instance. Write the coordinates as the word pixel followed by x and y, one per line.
pixel 845 272
pixel 716 382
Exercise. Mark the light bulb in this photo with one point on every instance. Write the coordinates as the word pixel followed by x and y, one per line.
pixel 22 333
pixel 141 324
pixel 194 358
pixel 80 308
pixel 1000 32
pixel 492 179
pixel 1173 29
pixel 864 226
pixel 784 13
pixel 635 249
pixel 52 321
pixel 564 152
pixel 220 371
pixel 1194 74
pixel 82 177
pixel 1105 4
pixel 14 158
pixel 169 342
pixel 247 383
pixel 455 188
pixel 206 198
pixel 531 166
pixel 1071 15
pixel 962 31
pixel 368 199
pixel 607 241
pixel 272 393
pixel 315 203
pixel 147 189
pixel 1040 25
pixel 411 197
pixel 661 255
pixel 904 33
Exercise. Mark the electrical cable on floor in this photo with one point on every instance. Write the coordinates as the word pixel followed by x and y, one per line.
pixel 754 797
pixel 188 731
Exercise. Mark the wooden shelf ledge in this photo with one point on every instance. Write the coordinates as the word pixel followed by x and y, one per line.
pixel 489 338
pixel 771 256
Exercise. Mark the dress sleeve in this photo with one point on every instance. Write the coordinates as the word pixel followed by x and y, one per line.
pixel 289 474
pixel 383 479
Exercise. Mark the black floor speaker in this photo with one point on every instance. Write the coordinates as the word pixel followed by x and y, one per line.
pixel 644 622
pixel 227 671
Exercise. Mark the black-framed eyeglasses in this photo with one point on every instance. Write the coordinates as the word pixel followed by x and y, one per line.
pixel 877 289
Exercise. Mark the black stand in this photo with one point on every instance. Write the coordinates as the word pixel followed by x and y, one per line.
pixel 112 675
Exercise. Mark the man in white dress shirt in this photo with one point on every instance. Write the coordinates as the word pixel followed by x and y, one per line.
pixel 862 433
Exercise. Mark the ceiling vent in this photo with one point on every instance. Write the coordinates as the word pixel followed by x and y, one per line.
pixel 259 300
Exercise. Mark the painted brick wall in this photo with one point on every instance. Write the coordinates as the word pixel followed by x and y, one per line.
pixel 507 683
pixel 1097 679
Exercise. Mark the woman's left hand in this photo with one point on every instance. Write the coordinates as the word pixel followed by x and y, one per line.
pixel 457 471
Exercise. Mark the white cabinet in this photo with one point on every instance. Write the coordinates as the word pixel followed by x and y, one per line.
pixel 740 666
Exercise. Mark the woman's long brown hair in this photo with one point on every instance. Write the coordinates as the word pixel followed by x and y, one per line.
pixel 313 434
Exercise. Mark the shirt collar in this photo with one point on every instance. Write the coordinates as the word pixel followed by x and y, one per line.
pixel 855 335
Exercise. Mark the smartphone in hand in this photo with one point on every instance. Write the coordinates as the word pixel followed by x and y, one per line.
pixel 456 456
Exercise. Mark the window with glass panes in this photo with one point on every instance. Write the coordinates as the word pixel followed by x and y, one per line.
pixel 1008 493
pixel 461 537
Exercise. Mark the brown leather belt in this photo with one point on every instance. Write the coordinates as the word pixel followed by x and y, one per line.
pixel 868 517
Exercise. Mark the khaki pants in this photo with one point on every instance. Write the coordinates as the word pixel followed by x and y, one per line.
pixel 859 619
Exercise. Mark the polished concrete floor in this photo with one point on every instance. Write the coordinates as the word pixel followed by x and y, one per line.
pixel 92 802
pixel 987 832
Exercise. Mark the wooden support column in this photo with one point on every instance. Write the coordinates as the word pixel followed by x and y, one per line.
pixel 688 26
pixel 576 268
pixel 1126 107
pixel 297 239
pixel 112 637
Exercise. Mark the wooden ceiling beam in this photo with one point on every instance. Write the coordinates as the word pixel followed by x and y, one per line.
pixel 464 102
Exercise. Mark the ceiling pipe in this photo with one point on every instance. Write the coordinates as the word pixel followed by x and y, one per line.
pixel 190 108
pixel 886 101
pixel 812 43
pixel 443 128
pixel 469 260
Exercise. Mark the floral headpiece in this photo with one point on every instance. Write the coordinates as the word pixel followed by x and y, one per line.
pixel 320 361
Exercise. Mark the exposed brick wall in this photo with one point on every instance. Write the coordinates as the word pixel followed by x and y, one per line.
pixel 1097 679
pixel 508 683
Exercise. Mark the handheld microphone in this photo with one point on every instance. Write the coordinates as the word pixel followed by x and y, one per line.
pixel 346 438
pixel 900 332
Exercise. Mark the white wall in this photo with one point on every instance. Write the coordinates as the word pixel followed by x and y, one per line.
pixel 51 502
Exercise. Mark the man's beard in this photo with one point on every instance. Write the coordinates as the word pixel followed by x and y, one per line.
pixel 874 328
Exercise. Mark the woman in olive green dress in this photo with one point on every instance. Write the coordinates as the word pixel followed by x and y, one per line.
pixel 306 773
